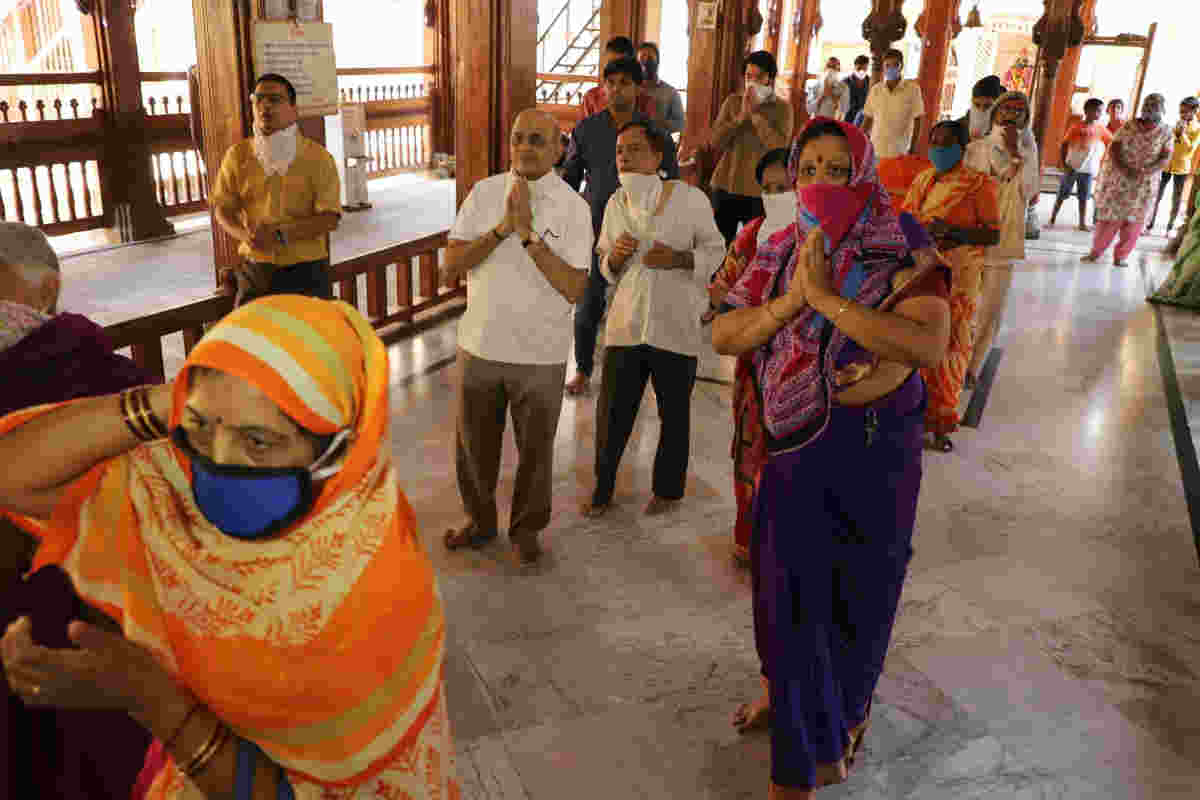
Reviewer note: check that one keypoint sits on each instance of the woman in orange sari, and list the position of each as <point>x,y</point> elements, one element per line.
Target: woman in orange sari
<point>749,450</point>
<point>957,205</point>
<point>283,634</point>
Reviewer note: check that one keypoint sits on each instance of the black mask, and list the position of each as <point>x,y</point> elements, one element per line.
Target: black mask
<point>650,66</point>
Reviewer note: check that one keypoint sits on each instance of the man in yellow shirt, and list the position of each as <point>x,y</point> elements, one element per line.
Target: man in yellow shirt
<point>1187,139</point>
<point>278,193</point>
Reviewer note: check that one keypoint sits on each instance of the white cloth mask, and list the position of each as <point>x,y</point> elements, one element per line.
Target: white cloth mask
<point>979,121</point>
<point>277,151</point>
<point>642,192</point>
<point>781,212</point>
<point>761,93</point>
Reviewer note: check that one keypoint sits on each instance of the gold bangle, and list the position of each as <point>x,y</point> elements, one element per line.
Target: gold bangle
<point>770,313</point>
<point>208,751</point>
<point>131,420</point>
<point>841,311</point>
<point>141,399</point>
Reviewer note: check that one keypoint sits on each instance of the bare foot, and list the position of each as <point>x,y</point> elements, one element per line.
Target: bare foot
<point>753,716</point>
<point>659,505</point>
<point>588,509</point>
<point>1085,228</point>
<point>578,385</point>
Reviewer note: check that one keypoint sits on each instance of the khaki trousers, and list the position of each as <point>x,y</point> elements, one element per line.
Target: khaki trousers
<point>487,390</point>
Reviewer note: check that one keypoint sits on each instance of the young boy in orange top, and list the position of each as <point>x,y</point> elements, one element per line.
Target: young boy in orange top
<point>1082,149</point>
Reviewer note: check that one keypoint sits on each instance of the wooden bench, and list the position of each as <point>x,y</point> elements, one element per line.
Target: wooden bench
<point>144,335</point>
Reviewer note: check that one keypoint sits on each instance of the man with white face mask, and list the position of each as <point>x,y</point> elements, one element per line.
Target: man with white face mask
<point>827,95</point>
<point>859,85</point>
<point>895,107</point>
<point>978,119</point>
<point>278,193</point>
<point>659,244</point>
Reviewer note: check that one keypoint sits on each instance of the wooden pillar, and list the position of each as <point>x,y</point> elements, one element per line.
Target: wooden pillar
<point>714,72</point>
<point>1063,93</point>
<point>495,78</point>
<point>773,23</point>
<point>439,51</point>
<point>803,29</point>
<point>937,26</point>
<point>133,207</point>
<point>224,70</point>
<point>1059,28</point>
<point>883,27</point>
<point>621,18</point>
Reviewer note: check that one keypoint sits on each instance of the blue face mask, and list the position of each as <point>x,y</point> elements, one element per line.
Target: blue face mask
<point>946,158</point>
<point>891,73</point>
<point>255,502</point>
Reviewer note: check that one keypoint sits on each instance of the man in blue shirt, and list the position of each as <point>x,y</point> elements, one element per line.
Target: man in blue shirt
<point>593,155</point>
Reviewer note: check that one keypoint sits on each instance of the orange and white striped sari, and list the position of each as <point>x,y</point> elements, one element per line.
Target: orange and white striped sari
<point>323,645</point>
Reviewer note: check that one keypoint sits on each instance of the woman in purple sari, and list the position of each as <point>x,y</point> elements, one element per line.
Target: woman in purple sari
<point>839,318</point>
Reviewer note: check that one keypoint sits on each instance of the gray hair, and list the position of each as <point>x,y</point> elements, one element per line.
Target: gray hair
<point>27,250</point>
<point>1010,95</point>
<point>1155,97</point>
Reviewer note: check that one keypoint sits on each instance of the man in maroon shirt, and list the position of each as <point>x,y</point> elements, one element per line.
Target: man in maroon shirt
<point>596,98</point>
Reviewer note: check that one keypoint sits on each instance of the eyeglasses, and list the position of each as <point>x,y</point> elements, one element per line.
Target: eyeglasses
<point>273,99</point>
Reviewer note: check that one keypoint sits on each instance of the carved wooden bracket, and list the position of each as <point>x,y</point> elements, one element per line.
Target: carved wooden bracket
<point>1054,34</point>
<point>884,25</point>
<point>430,14</point>
<point>754,22</point>
<point>84,6</point>
<point>774,12</point>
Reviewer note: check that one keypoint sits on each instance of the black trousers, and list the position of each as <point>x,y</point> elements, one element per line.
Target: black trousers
<point>626,370</point>
<point>1176,196</point>
<point>730,210</point>
<point>305,277</point>
<point>588,314</point>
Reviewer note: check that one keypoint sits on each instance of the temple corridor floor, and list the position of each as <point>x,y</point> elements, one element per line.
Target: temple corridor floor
<point>1048,642</point>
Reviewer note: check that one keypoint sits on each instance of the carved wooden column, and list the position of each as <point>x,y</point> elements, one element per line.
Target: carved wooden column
<point>883,27</point>
<point>805,24</point>
<point>125,168</point>
<point>495,78</point>
<point>937,26</point>
<point>223,108</point>
<point>443,60</point>
<point>773,23</point>
<point>1064,90</point>
<point>622,18</point>
<point>1059,28</point>
<point>714,72</point>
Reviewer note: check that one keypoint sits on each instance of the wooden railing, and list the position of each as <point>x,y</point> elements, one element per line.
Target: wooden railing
<point>398,294</point>
<point>400,105</point>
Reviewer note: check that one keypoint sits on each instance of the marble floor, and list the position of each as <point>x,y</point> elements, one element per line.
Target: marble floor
<point>1048,642</point>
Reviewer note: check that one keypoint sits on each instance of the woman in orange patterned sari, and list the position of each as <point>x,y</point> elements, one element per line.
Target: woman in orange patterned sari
<point>283,632</point>
<point>749,450</point>
<point>958,207</point>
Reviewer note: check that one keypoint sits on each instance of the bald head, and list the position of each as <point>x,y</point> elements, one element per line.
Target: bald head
<point>28,267</point>
<point>534,144</point>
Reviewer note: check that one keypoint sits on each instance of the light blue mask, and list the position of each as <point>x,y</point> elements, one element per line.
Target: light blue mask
<point>891,73</point>
<point>946,158</point>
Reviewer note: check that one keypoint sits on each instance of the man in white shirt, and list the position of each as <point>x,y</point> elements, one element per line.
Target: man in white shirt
<point>827,97</point>
<point>523,239</point>
<point>660,244</point>
<point>892,116</point>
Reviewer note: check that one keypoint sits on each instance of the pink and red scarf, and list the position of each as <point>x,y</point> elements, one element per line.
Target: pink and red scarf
<point>865,245</point>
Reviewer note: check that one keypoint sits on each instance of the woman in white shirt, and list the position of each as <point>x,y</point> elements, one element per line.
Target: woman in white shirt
<point>659,244</point>
<point>1009,154</point>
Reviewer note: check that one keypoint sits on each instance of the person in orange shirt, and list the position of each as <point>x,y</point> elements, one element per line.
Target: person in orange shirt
<point>1083,148</point>
<point>1116,115</point>
<point>596,98</point>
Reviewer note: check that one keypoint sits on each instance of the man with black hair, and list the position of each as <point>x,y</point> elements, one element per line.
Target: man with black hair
<point>595,99</point>
<point>593,155</point>
<point>895,106</point>
<point>750,123</point>
<point>668,106</point>
<point>859,83</point>
<point>1083,149</point>
<point>278,193</point>
<point>985,93</point>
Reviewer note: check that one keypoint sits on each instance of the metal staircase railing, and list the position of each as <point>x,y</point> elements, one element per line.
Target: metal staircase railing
<point>585,42</point>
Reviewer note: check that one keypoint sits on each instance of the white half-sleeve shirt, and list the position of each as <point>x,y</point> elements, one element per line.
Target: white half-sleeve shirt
<point>893,112</point>
<point>661,307</point>
<point>513,313</point>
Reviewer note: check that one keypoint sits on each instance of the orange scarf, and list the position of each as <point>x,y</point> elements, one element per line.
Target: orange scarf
<point>323,645</point>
